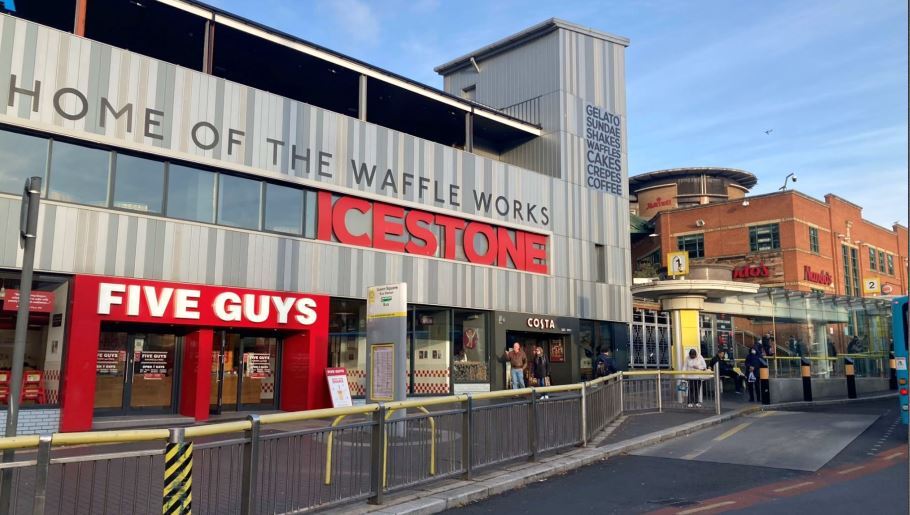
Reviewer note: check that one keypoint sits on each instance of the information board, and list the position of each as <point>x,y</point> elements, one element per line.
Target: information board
<point>110,362</point>
<point>339,389</point>
<point>382,377</point>
<point>151,364</point>
<point>258,365</point>
<point>387,301</point>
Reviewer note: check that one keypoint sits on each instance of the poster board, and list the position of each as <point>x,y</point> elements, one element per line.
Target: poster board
<point>339,389</point>
<point>382,366</point>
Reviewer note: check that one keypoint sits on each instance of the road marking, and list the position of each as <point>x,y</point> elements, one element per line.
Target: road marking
<point>693,455</point>
<point>895,455</point>
<point>849,470</point>
<point>732,432</point>
<point>706,508</point>
<point>766,413</point>
<point>793,487</point>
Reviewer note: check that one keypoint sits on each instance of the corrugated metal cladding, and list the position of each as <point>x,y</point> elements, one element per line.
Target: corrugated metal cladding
<point>89,240</point>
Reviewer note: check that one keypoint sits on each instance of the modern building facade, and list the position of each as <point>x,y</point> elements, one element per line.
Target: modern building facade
<point>218,196</point>
<point>666,190</point>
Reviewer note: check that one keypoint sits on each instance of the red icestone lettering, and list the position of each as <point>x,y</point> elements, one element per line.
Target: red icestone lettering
<point>470,243</point>
<point>417,223</point>
<point>339,224</point>
<point>383,227</point>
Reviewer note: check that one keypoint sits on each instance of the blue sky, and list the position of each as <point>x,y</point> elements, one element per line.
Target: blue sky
<point>705,79</point>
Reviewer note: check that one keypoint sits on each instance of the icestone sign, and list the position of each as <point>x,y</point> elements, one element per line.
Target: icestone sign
<point>203,305</point>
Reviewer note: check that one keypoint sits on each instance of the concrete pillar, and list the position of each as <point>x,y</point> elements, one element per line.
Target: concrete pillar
<point>684,311</point>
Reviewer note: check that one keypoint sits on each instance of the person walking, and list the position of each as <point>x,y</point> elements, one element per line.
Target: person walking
<point>540,369</point>
<point>695,362</point>
<point>603,365</point>
<point>753,363</point>
<point>519,361</point>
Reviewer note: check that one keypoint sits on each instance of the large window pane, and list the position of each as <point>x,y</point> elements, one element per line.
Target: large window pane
<point>190,194</point>
<point>238,202</point>
<point>139,184</point>
<point>283,209</point>
<point>432,350</point>
<point>21,157</point>
<point>348,341</point>
<point>79,174</point>
<point>471,347</point>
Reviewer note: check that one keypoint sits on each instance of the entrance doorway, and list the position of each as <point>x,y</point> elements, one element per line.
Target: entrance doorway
<point>244,372</point>
<point>553,347</point>
<point>136,372</point>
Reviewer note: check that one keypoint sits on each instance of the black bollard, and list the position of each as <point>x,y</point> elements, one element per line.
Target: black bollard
<point>764,382</point>
<point>850,372</point>
<point>892,382</point>
<point>806,371</point>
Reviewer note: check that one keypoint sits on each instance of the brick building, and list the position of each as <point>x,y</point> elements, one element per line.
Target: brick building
<point>785,239</point>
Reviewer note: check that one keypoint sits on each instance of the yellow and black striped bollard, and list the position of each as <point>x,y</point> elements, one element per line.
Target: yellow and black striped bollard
<point>806,372</point>
<point>850,372</point>
<point>178,475</point>
<point>764,381</point>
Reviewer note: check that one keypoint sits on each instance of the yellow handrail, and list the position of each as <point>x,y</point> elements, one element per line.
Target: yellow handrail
<point>636,373</point>
<point>328,450</point>
<point>385,444</point>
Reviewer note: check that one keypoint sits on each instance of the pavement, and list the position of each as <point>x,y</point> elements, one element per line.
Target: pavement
<point>607,477</point>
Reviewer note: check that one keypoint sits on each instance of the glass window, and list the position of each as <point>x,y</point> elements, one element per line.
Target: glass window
<point>79,174</point>
<point>694,244</point>
<point>309,219</point>
<point>890,264</point>
<point>854,267</point>
<point>348,341</point>
<point>813,240</point>
<point>716,185</point>
<point>471,347</point>
<point>881,261</point>
<point>432,350</point>
<point>600,263</point>
<point>44,341</point>
<point>689,185</point>
<point>21,157</point>
<point>238,201</point>
<point>190,193</point>
<point>283,209</point>
<point>848,286</point>
<point>872,264</point>
<point>138,184</point>
<point>764,237</point>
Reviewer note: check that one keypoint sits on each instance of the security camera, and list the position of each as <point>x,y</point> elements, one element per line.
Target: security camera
<point>794,178</point>
<point>699,223</point>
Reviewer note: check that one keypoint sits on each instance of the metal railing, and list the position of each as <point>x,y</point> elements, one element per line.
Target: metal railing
<point>865,364</point>
<point>290,462</point>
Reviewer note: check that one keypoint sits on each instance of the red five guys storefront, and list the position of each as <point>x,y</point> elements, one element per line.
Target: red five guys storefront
<point>209,226</point>
<point>152,347</point>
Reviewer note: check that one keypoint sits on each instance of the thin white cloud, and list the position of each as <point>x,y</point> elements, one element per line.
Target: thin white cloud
<point>357,19</point>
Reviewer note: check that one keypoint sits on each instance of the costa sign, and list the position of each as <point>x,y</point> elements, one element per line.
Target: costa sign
<point>412,231</point>
<point>817,277</point>
<point>156,302</point>
<point>751,271</point>
<point>541,323</point>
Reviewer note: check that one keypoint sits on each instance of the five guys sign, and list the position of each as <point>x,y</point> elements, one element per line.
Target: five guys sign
<point>418,232</point>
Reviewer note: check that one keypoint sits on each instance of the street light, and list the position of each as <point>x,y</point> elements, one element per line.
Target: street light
<point>789,176</point>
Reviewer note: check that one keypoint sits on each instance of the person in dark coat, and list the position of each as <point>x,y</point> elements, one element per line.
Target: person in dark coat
<point>540,368</point>
<point>725,369</point>
<point>753,363</point>
<point>603,365</point>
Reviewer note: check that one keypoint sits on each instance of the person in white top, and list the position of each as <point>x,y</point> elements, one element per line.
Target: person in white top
<point>694,362</point>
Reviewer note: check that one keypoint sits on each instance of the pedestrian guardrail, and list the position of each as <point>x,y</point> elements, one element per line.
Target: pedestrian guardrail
<point>311,460</point>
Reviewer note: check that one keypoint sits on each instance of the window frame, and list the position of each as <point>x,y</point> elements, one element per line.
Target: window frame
<point>814,246</point>
<point>881,261</point>
<point>754,230</point>
<point>697,238</point>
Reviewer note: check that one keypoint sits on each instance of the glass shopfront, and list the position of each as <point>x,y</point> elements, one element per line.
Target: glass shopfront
<point>446,347</point>
<point>44,340</point>
<point>244,371</point>
<point>137,370</point>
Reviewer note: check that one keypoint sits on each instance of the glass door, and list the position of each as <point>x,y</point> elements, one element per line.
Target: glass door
<point>244,372</point>
<point>136,372</point>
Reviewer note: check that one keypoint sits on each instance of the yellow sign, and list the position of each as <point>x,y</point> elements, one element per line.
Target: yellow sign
<point>677,263</point>
<point>872,285</point>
